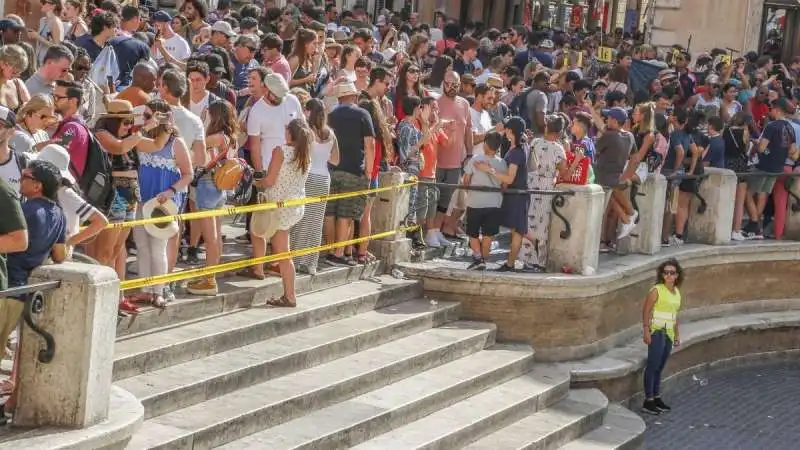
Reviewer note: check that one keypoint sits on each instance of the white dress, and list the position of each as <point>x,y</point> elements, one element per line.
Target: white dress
<point>291,184</point>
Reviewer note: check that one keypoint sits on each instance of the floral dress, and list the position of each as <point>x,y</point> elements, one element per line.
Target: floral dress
<point>543,164</point>
<point>291,184</point>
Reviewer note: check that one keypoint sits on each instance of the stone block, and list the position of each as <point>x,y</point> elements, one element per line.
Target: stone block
<point>792,229</point>
<point>714,225</point>
<point>72,390</point>
<point>584,213</point>
<point>391,207</point>
<point>646,238</point>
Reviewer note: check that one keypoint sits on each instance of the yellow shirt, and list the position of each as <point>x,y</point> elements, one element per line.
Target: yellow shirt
<point>665,310</point>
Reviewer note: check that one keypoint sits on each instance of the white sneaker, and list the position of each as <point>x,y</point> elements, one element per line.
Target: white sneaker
<point>443,241</point>
<point>675,241</point>
<point>737,236</point>
<point>431,240</point>
<point>627,228</point>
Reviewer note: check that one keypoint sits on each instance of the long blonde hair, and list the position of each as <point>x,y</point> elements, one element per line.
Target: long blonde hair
<point>37,103</point>
<point>648,122</point>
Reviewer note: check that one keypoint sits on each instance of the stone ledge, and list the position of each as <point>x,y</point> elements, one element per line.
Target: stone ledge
<point>618,372</point>
<point>611,275</point>
<point>125,417</point>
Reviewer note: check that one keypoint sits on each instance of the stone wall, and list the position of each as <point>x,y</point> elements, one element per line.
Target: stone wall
<point>675,20</point>
<point>568,317</point>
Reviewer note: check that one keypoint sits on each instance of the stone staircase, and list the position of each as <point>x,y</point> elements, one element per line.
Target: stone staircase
<point>364,361</point>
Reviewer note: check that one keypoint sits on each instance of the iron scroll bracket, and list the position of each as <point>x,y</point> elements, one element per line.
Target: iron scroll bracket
<point>34,304</point>
<point>559,201</point>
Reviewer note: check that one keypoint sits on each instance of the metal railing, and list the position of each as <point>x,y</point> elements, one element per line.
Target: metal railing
<point>34,297</point>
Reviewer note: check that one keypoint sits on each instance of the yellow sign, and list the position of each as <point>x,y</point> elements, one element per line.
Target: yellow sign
<point>605,54</point>
<point>675,55</point>
<point>726,58</point>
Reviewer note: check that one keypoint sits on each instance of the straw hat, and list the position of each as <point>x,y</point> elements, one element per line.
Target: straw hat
<point>264,224</point>
<point>341,37</point>
<point>118,109</point>
<point>346,89</point>
<point>153,209</point>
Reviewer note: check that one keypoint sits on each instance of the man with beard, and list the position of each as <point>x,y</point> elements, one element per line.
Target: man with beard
<point>454,112</point>
<point>195,12</point>
<point>266,129</point>
<point>67,98</point>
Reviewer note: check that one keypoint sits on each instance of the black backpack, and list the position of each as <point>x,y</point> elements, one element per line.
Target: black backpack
<point>519,107</point>
<point>95,184</point>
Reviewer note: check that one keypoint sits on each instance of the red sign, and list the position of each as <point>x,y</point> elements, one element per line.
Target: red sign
<point>576,18</point>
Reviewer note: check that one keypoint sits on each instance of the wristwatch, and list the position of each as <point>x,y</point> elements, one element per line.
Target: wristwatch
<point>258,175</point>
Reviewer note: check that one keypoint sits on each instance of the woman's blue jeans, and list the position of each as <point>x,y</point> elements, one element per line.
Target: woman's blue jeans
<point>657,354</point>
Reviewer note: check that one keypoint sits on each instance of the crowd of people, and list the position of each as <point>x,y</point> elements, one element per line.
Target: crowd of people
<point>112,113</point>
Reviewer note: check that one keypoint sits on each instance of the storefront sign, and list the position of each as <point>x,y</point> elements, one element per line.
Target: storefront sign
<point>576,18</point>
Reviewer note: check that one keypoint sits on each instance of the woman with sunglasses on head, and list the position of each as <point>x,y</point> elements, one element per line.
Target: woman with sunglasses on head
<point>661,331</point>
<point>33,119</point>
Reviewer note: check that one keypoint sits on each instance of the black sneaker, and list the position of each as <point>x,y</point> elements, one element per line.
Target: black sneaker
<point>191,256</point>
<point>337,261</point>
<point>477,264</point>
<point>649,407</point>
<point>506,268</point>
<point>661,405</point>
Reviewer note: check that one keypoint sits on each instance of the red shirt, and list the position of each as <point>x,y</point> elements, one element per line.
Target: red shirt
<point>78,148</point>
<point>760,111</point>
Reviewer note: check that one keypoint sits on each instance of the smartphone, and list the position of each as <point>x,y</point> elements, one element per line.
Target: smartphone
<point>65,140</point>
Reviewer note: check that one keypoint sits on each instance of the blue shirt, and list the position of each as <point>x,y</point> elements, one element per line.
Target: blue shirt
<point>781,136</point>
<point>523,58</point>
<point>46,228</point>
<point>129,52</point>
<point>676,138</point>
<point>240,73</point>
<point>715,156</point>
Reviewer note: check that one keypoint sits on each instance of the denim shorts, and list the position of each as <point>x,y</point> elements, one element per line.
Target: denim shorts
<point>207,196</point>
<point>126,198</point>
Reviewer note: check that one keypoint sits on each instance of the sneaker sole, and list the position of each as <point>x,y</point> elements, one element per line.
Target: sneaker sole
<point>649,412</point>
<point>203,291</point>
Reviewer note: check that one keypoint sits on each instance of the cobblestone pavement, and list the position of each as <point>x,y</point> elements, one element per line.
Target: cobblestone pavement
<point>756,408</point>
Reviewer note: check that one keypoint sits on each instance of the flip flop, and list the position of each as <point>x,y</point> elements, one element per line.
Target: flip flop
<point>282,302</point>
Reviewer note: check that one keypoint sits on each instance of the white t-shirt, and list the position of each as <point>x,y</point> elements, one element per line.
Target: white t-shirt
<point>175,46</point>
<point>9,171</point>
<point>269,123</point>
<point>189,126</point>
<point>481,123</point>
<point>200,109</point>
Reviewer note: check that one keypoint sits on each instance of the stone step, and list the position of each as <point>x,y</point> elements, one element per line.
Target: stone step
<point>621,430</point>
<point>232,416</point>
<point>179,386</point>
<point>237,292</point>
<point>479,415</point>
<point>150,351</point>
<point>368,415</point>
<point>580,412</point>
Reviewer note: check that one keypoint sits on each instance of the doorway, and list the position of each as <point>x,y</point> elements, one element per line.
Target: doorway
<point>780,35</point>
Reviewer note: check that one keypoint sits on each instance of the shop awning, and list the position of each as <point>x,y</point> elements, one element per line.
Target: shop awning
<point>790,4</point>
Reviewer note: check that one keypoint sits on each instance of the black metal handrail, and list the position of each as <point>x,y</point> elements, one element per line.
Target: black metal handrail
<point>34,304</point>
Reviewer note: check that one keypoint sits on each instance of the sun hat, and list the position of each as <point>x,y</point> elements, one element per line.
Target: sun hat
<point>277,85</point>
<point>153,209</point>
<point>118,109</point>
<point>264,224</point>
<point>59,157</point>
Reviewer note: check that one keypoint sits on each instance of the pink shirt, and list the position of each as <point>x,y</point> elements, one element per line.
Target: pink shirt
<point>454,151</point>
<point>79,146</point>
<point>280,65</point>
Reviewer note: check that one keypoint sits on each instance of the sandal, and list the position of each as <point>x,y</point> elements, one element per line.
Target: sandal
<point>366,258</point>
<point>282,302</point>
<point>158,301</point>
<point>272,270</point>
<point>125,306</point>
<point>250,273</point>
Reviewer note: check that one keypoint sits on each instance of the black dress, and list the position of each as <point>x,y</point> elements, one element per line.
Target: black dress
<point>515,206</point>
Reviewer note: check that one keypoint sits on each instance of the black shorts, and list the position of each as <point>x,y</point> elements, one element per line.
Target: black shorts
<point>483,221</point>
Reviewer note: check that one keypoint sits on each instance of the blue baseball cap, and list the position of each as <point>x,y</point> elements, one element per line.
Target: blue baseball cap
<point>8,24</point>
<point>161,16</point>
<point>616,113</point>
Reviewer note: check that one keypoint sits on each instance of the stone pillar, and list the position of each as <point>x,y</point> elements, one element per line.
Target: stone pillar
<point>651,200</point>
<point>389,212</point>
<point>792,229</point>
<point>714,225</point>
<point>74,389</point>
<point>584,212</point>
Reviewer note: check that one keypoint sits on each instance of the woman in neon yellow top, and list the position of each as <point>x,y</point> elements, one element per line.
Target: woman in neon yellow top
<point>661,331</point>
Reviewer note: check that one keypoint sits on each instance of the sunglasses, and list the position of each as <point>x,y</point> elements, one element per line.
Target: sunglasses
<point>669,273</point>
<point>82,69</point>
<point>59,97</point>
<point>147,116</point>
<point>127,123</point>
<point>413,70</point>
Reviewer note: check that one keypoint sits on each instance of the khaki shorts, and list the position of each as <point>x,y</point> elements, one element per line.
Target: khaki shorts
<point>348,208</point>
<point>10,311</point>
<point>761,184</point>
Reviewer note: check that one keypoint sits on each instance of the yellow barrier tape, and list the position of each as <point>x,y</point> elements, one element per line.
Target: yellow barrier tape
<point>241,264</point>
<point>231,210</point>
